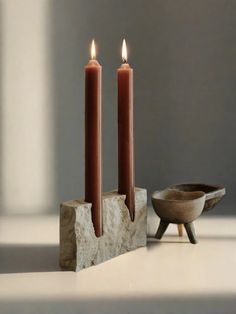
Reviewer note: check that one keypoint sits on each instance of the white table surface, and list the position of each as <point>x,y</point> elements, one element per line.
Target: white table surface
<point>167,276</point>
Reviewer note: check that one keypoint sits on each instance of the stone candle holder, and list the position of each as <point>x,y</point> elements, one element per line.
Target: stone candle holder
<point>80,248</point>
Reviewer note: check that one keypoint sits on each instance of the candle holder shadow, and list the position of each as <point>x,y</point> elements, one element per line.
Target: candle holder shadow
<point>178,207</point>
<point>80,248</point>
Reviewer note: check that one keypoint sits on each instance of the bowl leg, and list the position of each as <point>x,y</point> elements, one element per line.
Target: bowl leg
<point>161,229</point>
<point>180,230</point>
<point>189,227</point>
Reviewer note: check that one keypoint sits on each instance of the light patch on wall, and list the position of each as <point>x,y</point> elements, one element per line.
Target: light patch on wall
<point>27,180</point>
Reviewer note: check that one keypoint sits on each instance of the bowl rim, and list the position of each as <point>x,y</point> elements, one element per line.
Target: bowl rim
<point>220,190</point>
<point>201,194</point>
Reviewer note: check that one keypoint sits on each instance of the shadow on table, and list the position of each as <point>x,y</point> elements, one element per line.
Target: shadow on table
<point>211,304</point>
<point>28,258</point>
<point>152,242</point>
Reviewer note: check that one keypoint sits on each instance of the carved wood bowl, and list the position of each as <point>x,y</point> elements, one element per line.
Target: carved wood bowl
<point>214,193</point>
<point>178,207</point>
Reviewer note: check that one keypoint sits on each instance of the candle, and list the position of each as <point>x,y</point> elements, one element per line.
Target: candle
<point>93,151</point>
<point>125,133</point>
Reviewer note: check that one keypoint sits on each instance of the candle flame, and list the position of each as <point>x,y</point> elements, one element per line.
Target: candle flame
<point>124,51</point>
<point>93,50</point>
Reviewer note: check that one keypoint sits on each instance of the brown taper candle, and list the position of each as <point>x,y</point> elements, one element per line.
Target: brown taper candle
<point>93,150</point>
<point>125,133</point>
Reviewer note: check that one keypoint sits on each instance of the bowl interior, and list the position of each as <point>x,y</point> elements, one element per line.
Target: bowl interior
<point>176,195</point>
<point>190,187</point>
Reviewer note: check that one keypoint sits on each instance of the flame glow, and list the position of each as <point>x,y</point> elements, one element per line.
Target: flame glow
<point>124,51</point>
<point>93,50</point>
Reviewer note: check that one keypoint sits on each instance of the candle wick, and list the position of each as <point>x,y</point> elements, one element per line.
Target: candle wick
<point>124,60</point>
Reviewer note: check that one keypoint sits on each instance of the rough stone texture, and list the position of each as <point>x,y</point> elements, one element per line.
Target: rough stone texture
<point>80,248</point>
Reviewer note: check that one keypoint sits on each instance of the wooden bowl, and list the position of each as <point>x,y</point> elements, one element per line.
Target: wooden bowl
<point>214,193</point>
<point>178,207</point>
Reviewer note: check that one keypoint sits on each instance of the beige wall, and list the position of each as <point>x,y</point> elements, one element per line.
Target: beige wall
<point>26,108</point>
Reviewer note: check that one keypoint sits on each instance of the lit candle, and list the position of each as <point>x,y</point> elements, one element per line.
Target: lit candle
<point>93,151</point>
<point>125,133</point>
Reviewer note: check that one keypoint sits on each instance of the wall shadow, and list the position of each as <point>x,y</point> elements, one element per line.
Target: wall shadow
<point>67,63</point>
<point>184,97</point>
